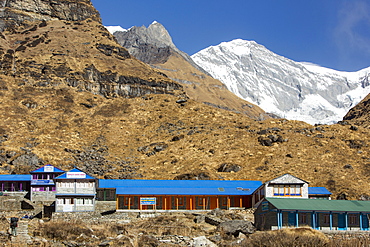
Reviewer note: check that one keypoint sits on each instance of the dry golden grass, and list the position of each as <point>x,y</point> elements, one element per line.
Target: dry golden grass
<point>305,237</point>
<point>198,138</point>
<point>203,88</point>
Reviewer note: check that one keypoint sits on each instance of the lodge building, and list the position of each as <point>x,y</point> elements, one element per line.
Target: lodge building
<point>181,194</point>
<point>286,201</point>
<point>277,213</point>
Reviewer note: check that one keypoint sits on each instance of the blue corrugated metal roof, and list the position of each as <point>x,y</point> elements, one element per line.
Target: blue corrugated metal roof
<point>318,191</point>
<point>180,187</point>
<point>15,177</point>
<point>64,175</point>
<point>42,169</point>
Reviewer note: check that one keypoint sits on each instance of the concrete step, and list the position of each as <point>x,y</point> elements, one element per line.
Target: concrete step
<point>22,233</point>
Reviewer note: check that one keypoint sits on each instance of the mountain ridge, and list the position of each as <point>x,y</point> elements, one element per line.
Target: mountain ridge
<point>154,45</point>
<point>279,85</point>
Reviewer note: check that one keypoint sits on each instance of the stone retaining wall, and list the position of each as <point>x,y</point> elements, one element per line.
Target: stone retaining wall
<point>105,206</point>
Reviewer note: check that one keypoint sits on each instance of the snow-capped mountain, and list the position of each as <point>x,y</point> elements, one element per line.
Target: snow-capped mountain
<point>153,45</point>
<point>289,89</point>
<point>113,29</point>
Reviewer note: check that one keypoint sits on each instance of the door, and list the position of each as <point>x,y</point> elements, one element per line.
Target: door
<point>291,219</point>
<point>365,222</point>
<point>342,222</point>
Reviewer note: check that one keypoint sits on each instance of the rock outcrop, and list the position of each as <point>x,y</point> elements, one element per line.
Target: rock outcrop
<point>153,45</point>
<point>48,43</point>
<point>360,114</point>
<point>15,13</point>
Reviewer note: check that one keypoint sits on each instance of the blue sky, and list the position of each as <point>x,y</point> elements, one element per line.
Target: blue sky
<point>331,33</point>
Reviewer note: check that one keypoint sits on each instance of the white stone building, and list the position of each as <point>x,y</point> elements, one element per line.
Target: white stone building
<point>75,192</point>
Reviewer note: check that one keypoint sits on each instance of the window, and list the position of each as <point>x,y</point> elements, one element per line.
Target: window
<point>88,201</point>
<point>276,190</point>
<point>287,190</point>
<point>202,201</point>
<point>224,201</point>
<point>303,218</point>
<point>326,219</point>
<point>180,201</point>
<point>353,219</point>
<point>79,184</point>
<point>79,201</point>
<point>128,200</point>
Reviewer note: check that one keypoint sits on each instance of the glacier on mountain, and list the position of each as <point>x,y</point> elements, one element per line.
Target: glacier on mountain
<point>289,89</point>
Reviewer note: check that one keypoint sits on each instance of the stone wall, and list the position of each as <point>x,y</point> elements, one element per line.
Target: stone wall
<point>10,203</point>
<point>104,206</point>
<point>43,196</point>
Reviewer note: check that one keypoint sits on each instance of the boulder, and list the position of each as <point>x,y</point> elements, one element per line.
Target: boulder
<point>229,168</point>
<point>202,241</point>
<point>234,227</point>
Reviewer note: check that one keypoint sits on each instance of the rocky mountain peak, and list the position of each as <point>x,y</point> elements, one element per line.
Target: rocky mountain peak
<point>159,33</point>
<point>142,41</point>
<point>14,13</point>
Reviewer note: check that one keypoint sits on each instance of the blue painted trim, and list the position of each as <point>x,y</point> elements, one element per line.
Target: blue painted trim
<point>346,220</point>
<point>281,219</point>
<point>296,219</point>
<point>361,222</point>
<point>331,220</point>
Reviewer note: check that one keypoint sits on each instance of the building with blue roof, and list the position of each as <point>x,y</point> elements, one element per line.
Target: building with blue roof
<point>75,192</point>
<point>15,184</point>
<point>319,193</point>
<point>288,186</point>
<point>181,194</point>
<point>42,183</point>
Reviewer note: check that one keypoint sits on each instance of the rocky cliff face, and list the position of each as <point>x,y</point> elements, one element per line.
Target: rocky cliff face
<point>15,13</point>
<point>48,43</point>
<point>153,45</point>
<point>360,114</point>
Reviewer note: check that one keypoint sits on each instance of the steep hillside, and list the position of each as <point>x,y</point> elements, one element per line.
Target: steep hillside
<point>48,44</point>
<point>160,137</point>
<point>296,91</point>
<point>360,114</point>
<point>153,45</point>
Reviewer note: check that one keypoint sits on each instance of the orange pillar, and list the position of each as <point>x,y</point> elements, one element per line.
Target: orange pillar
<point>241,202</point>
<point>218,203</point>
<point>129,203</point>
<point>204,203</point>
<point>228,202</point>
<point>191,203</point>
<point>165,203</point>
<point>177,203</point>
